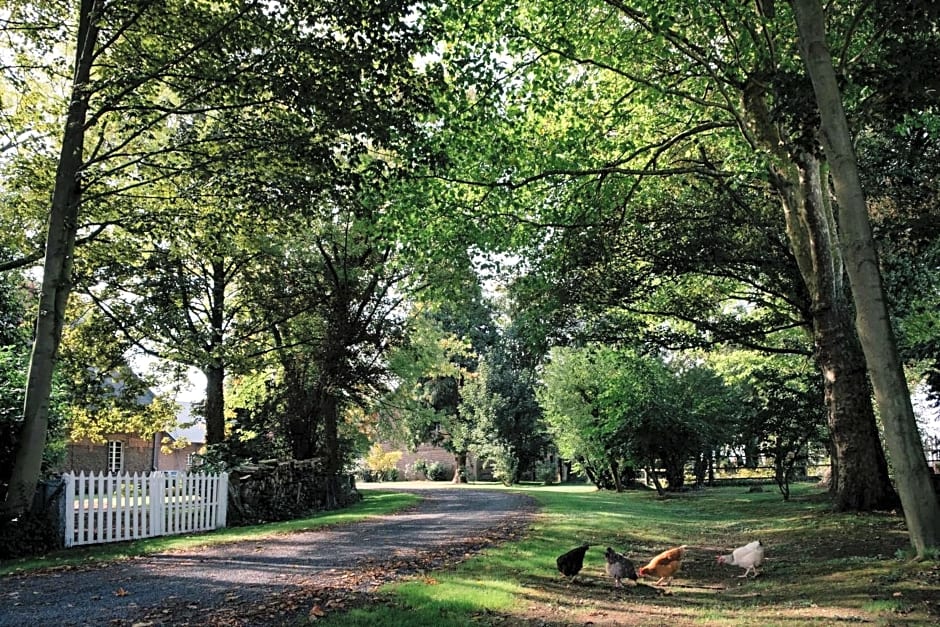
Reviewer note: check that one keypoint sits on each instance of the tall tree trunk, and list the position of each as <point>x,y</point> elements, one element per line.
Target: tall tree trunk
<point>461,462</point>
<point>615,471</point>
<point>860,478</point>
<point>215,371</point>
<point>215,404</point>
<point>921,507</point>
<point>329,415</point>
<point>57,272</point>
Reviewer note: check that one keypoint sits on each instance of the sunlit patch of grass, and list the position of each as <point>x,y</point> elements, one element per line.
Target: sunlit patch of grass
<point>374,503</point>
<point>882,606</point>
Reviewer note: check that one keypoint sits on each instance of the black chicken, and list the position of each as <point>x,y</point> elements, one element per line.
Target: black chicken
<point>618,566</point>
<point>570,563</point>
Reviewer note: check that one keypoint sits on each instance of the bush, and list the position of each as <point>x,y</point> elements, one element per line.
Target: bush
<point>546,472</point>
<point>419,469</point>
<point>29,535</point>
<point>435,471</point>
<point>383,463</point>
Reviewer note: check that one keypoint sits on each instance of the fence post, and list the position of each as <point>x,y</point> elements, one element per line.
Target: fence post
<point>222,500</point>
<point>67,508</point>
<point>157,497</point>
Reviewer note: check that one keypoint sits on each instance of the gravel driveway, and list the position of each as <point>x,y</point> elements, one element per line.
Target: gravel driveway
<point>261,582</point>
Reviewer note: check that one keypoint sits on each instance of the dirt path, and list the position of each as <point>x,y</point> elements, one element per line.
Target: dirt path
<point>268,582</point>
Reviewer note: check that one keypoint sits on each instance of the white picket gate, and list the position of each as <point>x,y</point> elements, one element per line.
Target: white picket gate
<point>116,507</point>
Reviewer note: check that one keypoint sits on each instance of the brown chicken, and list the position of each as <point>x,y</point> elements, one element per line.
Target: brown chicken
<point>664,565</point>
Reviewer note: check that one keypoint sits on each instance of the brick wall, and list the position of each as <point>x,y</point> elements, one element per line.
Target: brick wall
<point>87,456</point>
<point>426,452</point>
<point>178,458</point>
<point>430,453</point>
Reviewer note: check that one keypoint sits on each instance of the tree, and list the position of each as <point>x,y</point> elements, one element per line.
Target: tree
<point>499,399</point>
<point>155,68</point>
<point>176,290</point>
<point>781,408</point>
<point>679,97</point>
<point>574,384</point>
<point>60,246</point>
<point>433,367</point>
<point>332,309</point>
<point>921,507</point>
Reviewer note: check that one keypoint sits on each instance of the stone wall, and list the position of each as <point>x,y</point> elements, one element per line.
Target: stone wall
<point>274,490</point>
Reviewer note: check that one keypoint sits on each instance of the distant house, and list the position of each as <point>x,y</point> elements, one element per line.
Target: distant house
<point>128,452</point>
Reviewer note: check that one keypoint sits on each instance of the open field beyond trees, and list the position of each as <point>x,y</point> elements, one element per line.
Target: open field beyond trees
<point>821,567</point>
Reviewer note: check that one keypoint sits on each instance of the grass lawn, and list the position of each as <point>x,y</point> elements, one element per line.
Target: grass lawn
<point>374,503</point>
<point>821,568</point>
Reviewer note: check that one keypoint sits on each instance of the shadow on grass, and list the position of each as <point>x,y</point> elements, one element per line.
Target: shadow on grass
<point>821,567</point>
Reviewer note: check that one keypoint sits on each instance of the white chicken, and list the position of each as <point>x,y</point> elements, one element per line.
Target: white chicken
<point>748,557</point>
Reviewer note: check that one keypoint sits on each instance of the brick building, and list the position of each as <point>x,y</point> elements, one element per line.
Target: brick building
<point>128,452</point>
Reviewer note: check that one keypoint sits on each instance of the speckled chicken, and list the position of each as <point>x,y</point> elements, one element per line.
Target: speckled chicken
<point>570,563</point>
<point>619,566</point>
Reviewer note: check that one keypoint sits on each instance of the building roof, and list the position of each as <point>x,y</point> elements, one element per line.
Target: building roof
<point>190,427</point>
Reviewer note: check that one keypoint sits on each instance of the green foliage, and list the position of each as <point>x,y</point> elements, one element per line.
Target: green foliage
<point>432,366</point>
<point>546,472</point>
<point>382,463</point>
<point>12,392</point>
<point>585,427</point>
<point>613,409</point>
<point>782,409</point>
<point>507,433</point>
<point>14,358</point>
<point>436,471</point>
<point>432,471</point>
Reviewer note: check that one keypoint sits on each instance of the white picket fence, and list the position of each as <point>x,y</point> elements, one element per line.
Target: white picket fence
<point>116,507</point>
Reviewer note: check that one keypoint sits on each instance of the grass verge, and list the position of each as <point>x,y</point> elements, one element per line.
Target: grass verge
<point>374,503</point>
<point>822,568</point>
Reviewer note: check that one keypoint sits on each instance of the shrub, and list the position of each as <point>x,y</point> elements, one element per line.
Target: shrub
<point>546,472</point>
<point>382,463</point>
<point>29,535</point>
<point>435,471</point>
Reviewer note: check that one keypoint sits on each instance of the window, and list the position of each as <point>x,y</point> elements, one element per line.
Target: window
<point>115,456</point>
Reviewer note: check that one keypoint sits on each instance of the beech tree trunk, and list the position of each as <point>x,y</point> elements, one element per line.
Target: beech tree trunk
<point>860,479</point>
<point>57,273</point>
<point>918,498</point>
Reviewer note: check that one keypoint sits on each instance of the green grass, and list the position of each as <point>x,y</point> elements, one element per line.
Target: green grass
<point>374,503</point>
<point>822,568</point>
